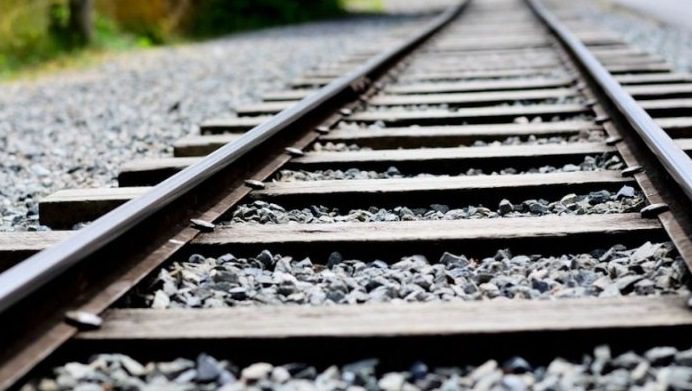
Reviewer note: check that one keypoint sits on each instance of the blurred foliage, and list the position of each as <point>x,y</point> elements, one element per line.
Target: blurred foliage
<point>23,27</point>
<point>214,17</point>
<point>156,21</point>
<point>35,31</point>
<point>368,6</point>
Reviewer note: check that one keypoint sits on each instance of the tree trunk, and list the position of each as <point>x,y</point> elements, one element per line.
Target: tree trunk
<point>80,21</point>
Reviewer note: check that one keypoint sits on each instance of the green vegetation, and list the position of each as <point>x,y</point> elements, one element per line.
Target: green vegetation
<point>364,5</point>
<point>215,17</point>
<point>36,35</point>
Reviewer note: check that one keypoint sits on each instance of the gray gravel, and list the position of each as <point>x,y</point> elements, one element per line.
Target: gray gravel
<point>590,163</point>
<point>651,269</point>
<point>586,136</point>
<point>670,42</point>
<point>488,60</point>
<point>454,108</point>
<point>76,129</point>
<point>336,147</point>
<point>598,202</point>
<point>659,368</point>
<point>591,135</point>
<point>453,76</point>
<point>379,125</point>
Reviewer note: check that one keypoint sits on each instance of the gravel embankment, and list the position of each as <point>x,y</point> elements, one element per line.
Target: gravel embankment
<point>659,368</point>
<point>590,163</point>
<point>226,281</point>
<point>76,129</point>
<point>669,41</point>
<point>665,11</point>
<point>597,202</point>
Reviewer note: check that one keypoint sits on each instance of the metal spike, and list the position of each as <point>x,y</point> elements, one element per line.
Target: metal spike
<point>653,210</point>
<point>202,225</point>
<point>254,184</point>
<point>600,120</point>
<point>613,140</point>
<point>359,85</point>
<point>630,171</point>
<point>83,319</point>
<point>591,103</point>
<point>295,152</point>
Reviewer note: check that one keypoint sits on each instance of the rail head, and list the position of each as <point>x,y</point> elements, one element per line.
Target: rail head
<point>35,272</point>
<point>673,159</point>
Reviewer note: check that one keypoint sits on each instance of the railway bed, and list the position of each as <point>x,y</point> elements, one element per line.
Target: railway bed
<point>456,210</point>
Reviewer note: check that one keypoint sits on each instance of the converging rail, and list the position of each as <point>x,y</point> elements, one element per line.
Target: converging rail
<point>494,130</point>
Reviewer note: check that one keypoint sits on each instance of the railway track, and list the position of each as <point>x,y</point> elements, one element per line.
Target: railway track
<point>506,181</point>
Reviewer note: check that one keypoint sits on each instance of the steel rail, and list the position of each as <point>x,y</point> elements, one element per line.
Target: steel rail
<point>35,272</point>
<point>674,160</point>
